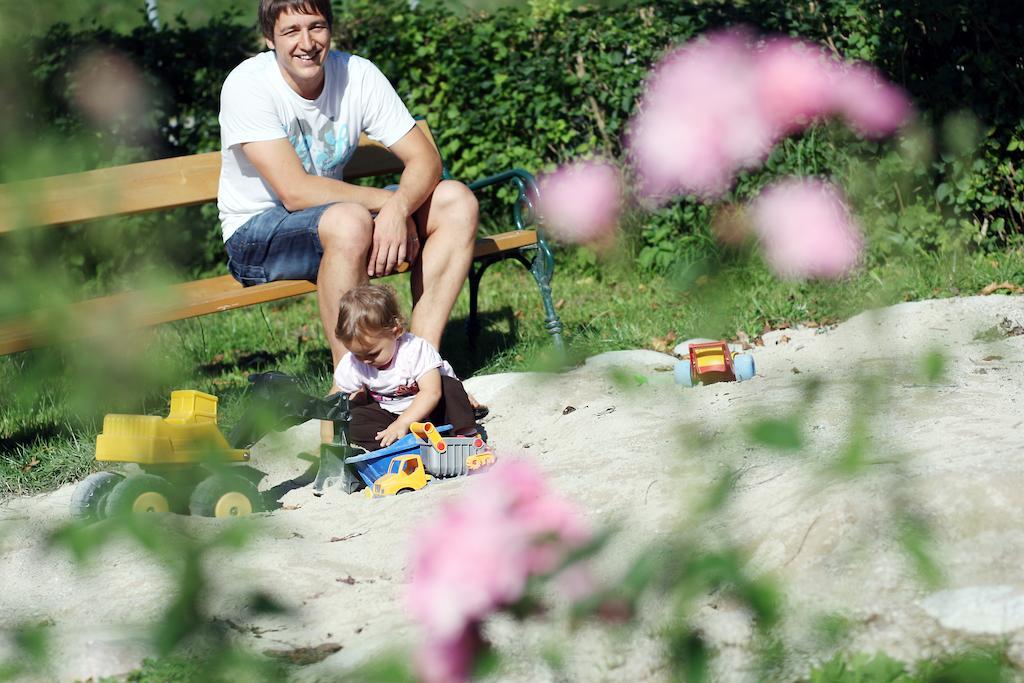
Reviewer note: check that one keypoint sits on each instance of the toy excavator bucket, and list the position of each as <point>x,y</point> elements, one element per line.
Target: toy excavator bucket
<point>428,432</point>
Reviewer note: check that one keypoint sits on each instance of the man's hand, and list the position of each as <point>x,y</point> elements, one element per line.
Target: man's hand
<point>393,433</point>
<point>390,235</point>
<point>394,233</point>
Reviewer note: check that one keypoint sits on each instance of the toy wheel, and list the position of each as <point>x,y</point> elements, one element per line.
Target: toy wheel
<point>225,495</point>
<point>90,495</point>
<point>743,366</point>
<point>683,373</point>
<point>140,493</point>
<point>403,491</point>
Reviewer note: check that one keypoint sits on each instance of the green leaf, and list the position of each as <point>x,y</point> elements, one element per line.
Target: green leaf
<point>783,434</point>
<point>933,365</point>
<point>33,640</point>
<point>916,538</point>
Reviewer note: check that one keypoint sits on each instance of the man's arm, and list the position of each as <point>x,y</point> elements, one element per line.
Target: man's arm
<point>394,233</point>
<point>279,166</point>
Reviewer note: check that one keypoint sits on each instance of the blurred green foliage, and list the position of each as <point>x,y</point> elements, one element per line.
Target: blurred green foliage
<point>185,620</point>
<point>981,666</point>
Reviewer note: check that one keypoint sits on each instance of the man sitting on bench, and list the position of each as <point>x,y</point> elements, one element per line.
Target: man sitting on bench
<point>290,118</point>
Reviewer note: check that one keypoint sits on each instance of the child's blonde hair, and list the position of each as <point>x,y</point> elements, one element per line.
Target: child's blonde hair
<point>368,311</point>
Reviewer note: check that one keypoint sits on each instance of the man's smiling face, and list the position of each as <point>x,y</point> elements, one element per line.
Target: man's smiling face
<point>301,43</point>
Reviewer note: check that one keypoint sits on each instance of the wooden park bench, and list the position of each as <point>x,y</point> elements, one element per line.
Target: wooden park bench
<point>189,180</point>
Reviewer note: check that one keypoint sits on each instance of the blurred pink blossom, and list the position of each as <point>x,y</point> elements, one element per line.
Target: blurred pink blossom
<point>805,229</point>
<point>718,105</point>
<point>699,121</point>
<point>580,202</point>
<point>796,84</point>
<point>108,87</point>
<point>873,106</point>
<point>476,556</point>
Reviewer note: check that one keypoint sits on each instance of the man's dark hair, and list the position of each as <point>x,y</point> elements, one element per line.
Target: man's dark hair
<point>270,10</point>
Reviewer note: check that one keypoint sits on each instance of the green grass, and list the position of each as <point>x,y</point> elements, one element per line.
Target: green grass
<point>55,398</point>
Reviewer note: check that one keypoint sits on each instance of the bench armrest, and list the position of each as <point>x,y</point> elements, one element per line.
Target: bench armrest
<point>524,209</point>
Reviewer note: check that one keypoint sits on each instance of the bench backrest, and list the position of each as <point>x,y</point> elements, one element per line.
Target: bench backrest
<point>147,186</point>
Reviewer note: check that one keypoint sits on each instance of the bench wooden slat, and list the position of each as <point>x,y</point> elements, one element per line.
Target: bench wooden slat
<point>147,186</point>
<point>192,299</point>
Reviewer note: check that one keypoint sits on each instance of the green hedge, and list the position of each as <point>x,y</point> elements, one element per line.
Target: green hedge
<point>544,82</point>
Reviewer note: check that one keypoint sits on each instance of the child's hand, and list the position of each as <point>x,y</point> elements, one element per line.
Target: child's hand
<point>393,433</point>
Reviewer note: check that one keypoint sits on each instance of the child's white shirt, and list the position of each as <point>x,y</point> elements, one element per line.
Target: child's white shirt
<point>395,386</point>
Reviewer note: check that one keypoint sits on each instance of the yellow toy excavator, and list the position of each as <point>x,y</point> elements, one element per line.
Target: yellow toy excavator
<point>187,465</point>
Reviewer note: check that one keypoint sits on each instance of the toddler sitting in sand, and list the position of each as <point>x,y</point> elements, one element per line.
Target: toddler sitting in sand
<point>404,376</point>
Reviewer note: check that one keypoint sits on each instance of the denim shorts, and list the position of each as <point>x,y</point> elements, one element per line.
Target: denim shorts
<point>277,245</point>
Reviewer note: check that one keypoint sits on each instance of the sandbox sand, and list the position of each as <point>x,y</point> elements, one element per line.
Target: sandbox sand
<point>636,450</point>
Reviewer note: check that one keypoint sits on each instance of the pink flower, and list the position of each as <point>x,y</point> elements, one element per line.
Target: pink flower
<point>805,229</point>
<point>580,203</point>
<point>873,106</point>
<point>717,106</point>
<point>796,84</point>
<point>477,555</point>
<point>698,121</point>
<point>108,87</point>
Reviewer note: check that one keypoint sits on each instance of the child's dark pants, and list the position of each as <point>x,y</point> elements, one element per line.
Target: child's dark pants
<point>453,409</point>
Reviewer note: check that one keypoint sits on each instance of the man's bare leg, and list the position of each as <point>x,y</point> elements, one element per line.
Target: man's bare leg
<point>447,224</point>
<point>346,232</point>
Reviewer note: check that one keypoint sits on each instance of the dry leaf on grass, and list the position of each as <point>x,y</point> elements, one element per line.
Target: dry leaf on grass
<point>664,344</point>
<point>997,286</point>
<point>30,464</point>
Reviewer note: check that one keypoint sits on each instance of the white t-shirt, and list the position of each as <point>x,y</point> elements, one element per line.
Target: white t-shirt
<point>256,104</point>
<point>395,386</point>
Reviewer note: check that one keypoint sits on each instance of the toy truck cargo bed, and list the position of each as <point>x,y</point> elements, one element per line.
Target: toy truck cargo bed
<point>462,455</point>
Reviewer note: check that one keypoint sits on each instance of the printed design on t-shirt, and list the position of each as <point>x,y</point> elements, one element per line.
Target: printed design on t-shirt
<point>399,393</point>
<point>324,153</point>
